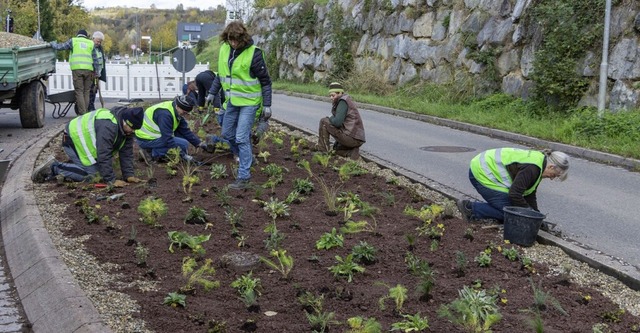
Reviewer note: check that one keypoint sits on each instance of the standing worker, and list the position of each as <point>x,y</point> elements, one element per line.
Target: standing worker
<point>246,85</point>
<point>98,37</point>
<point>510,177</point>
<point>84,66</point>
<point>90,141</point>
<point>345,125</point>
<point>164,128</point>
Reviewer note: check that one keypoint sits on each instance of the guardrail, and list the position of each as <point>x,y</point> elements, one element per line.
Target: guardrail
<point>130,80</point>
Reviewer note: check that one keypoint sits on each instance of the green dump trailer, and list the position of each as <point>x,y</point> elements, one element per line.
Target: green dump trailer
<point>23,74</point>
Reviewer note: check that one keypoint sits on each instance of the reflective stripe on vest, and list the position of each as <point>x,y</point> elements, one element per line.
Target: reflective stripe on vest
<point>239,87</point>
<point>81,57</point>
<point>82,131</point>
<point>490,167</point>
<point>150,130</point>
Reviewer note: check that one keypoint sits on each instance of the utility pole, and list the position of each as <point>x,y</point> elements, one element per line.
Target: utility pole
<point>602,91</point>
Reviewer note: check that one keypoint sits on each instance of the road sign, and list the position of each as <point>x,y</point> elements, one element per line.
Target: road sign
<point>133,46</point>
<point>183,60</point>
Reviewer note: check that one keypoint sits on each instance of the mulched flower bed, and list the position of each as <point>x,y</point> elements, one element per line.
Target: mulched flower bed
<point>394,234</point>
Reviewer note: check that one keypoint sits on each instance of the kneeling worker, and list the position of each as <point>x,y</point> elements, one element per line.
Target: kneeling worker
<point>164,128</point>
<point>345,125</point>
<point>90,141</point>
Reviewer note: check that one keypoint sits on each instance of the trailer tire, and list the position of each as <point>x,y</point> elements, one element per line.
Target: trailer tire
<point>32,107</point>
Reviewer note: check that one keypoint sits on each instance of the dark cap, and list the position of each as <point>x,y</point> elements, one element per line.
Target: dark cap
<point>183,103</point>
<point>82,33</point>
<point>132,117</point>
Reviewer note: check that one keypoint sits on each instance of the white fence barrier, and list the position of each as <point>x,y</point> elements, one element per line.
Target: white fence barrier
<point>159,81</point>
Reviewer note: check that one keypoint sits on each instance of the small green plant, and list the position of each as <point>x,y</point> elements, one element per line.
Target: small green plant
<point>274,238</point>
<point>426,213</point>
<point>483,259</point>
<point>152,209</point>
<point>613,316</point>
<point>468,234</point>
<point>349,169</point>
<point>322,159</point>
<point>364,253</point>
<point>432,231</point>
<point>234,216</point>
<point>346,267</point>
<point>276,208</point>
<point>434,245</point>
<point>330,240</point>
<point>398,294</point>
<point>181,239</point>
<point>461,263</point>
<point>142,254</point>
<point>175,299</point>
<point>189,177</point>
<point>411,323</point>
<point>363,325</point>
<point>223,197</point>
<point>310,302</point>
<point>541,298</point>
<point>248,287</point>
<point>320,321</point>
<point>329,193</point>
<point>264,155</point>
<point>294,197</point>
<point>473,310</point>
<point>511,253</point>
<point>303,186</point>
<point>196,215</point>
<point>284,264</point>
<point>353,227</point>
<point>202,276</point>
<point>273,170</point>
<point>218,171</point>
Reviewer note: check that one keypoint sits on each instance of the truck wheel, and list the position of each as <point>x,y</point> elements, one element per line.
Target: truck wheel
<point>32,105</point>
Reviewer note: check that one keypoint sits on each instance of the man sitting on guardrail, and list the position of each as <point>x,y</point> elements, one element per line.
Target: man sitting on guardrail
<point>90,141</point>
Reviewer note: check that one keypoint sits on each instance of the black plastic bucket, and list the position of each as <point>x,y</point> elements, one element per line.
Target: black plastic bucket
<point>521,225</point>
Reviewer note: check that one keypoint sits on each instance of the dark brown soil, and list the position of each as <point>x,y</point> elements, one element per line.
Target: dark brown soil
<point>508,281</point>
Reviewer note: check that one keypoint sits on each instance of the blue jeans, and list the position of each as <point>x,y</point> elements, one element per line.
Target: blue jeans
<point>496,200</point>
<point>74,170</point>
<point>236,128</point>
<point>159,149</point>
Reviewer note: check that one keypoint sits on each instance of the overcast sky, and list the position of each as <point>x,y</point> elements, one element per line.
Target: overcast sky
<point>161,4</point>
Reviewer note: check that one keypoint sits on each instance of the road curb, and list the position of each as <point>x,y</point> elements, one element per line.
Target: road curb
<point>51,298</point>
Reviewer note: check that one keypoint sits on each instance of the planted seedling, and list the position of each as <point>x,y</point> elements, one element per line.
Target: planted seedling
<point>541,298</point>
<point>483,259</point>
<point>264,155</point>
<point>461,263</point>
<point>248,288</point>
<point>330,240</point>
<point>218,171</point>
<point>473,310</point>
<point>189,178</point>
<point>511,253</point>
<point>398,294</point>
<point>320,321</point>
<point>284,264</point>
<point>275,208</point>
<point>303,186</point>
<point>364,253</point>
<point>294,197</point>
<point>349,169</point>
<point>275,237</point>
<point>363,325</point>
<point>142,254</point>
<point>175,300</point>
<point>468,234</point>
<point>152,209</point>
<point>196,215</point>
<point>310,302</point>
<point>182,239</point>
<point>242,240</point>
<point>411,323</point>
<point>202,276</point>
<point>346,267</point>
<point>321,158</point>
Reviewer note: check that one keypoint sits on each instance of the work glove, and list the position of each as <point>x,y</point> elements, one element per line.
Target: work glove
<point>261,129</point>
<point>209,100</point>
<point>133,179</point>
<point>207,147</point>
<point>119,183</point>
<point>266,113</point>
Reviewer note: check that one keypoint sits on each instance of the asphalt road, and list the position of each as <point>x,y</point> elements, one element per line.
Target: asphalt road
<point>597,206</point>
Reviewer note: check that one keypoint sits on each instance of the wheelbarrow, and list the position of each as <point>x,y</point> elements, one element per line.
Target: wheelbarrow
<point>58,99</point>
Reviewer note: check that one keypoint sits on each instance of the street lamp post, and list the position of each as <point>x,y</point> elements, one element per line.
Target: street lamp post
<point>602,91</point>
